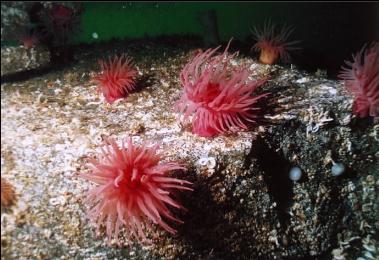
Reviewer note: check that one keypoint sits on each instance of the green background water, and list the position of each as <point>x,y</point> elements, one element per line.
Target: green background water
<point>136,20</point>
<point>329,32</point>
<point>320,22</point>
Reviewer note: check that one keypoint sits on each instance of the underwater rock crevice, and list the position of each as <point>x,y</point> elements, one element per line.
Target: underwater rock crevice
<point>209,218</point>
<point>275,168</point>
<point>26,74</point>
<point>144,82</point>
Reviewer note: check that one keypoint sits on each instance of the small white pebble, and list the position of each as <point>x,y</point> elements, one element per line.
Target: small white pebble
<point>75,121</point>
<point>58,201</point>
<point>57,91</point>
<point>338,169</point>
<point>210,162</point>
<point>302,80</point>
<point>253,66</point>
<point>295,173</point>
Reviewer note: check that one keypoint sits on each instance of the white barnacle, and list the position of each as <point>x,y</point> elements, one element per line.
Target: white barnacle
<point>295,173</point>
<point>338,169</point>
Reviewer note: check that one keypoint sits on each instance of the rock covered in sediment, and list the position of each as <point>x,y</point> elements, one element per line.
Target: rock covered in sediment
<point>18,59</point>
<point>244,204</point>
<point>13,14</point>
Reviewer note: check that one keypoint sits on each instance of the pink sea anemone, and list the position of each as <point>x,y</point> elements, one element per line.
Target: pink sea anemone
<point>29,40</point>
<point>273,44</point>
<point>60,23</point>
<point>117,78</point>
<point>220,97</point>
<point>61,13</point>
<point>362,79</point>
<point>133,190</point>
<point>27,37</point>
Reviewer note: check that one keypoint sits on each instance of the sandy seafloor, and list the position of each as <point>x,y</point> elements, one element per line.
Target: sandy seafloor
<point>240,207</point>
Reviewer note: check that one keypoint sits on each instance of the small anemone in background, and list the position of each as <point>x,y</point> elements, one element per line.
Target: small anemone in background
<point>219,96</point>
<point>117,78</point>
<point>26,35</point>
<point>133,190</point>
<point>273,44</point>
<point>29,38</point>
<point>60,23</point>
<point>29,41</point>
<point>8,194</point>
<point>361,78</point>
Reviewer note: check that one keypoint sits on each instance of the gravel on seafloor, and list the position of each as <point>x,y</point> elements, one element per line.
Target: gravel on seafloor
<point>244,204</point>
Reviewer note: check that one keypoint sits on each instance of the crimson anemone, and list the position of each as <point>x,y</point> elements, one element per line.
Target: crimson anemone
<point>133,190</point>
<point>117,78</point>
<point>362,79</point>
<point>60,23</point>
<point>29,42</point>
<point>219,97</point>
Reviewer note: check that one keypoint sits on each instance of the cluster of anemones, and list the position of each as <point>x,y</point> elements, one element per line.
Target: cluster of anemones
<point>219,98</point>
<point>134,190</point>
<point>362,79</point>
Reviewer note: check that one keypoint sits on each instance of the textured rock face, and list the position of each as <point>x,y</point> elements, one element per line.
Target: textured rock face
<point>13,15</point>
<point>244,205</point>
<point>18,59</point>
